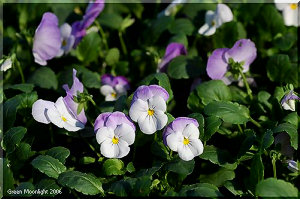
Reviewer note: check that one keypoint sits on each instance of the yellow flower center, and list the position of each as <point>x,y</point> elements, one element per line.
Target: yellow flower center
<point>63,118</point>
<point>186,141</point>
<point>293,6</point>
<point>114,95</point>
<point>151,112</point>
<point>64,43</point>
<point>115,140</point>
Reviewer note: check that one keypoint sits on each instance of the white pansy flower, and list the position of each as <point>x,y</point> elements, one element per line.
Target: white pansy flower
<point>214,20</point>
<point>288,101</point>
<point>290,11</point>
<point>7,64</point>
<point>67,39</point>
<point>113,87</point>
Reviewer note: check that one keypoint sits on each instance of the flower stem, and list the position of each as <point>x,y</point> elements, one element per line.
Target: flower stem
<point>92,147</point>
<point>240,128</point>
<point>249,91</point>
<point>255,123</point>
<point>102,35</point>
<point>124,49</point>
<point>274,167</point>
<point>20,71</point>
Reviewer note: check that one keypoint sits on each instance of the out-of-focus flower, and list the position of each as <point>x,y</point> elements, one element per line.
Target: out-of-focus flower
<point>57,113</point>
<point>214,20</point>
<point>67,40</point>
<point>91,13</point>
<point>113,87</point>
<point>7,64</point>
<point>148,108</point>
<point>288,101</point>
<point>172,8</point>
<point>182,136</point>
<point>290,12</point>
<point>236,60</point>
<point>292,166</point>
<point>285,144</point>
<point>76,88</point>
<point>114,132</point>
<point>47,39</point>
<point>173,50</point>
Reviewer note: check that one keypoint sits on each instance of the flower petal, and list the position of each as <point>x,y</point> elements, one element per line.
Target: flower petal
<point>184,152</point>
<point>223,14</point>
<point>138,110</point>
<point>161,119</point>
<point>157,103</point>
<point>126,133</point>
<point>173,140</point>
<point>158,90</point>
<point>191,131</point>
<point>65,30</point>
<point>216,64</point>
<point>290,16</point>
<point>117,118</point>
<point>39,110</point>
<point>180,123</point>
<point>103,134</point>
<point>123,149</point>
<point>109,150</point>
<point>107,90</point>
<point>101,120</point>
<point>196,146</point>
<point>207,30</point>
<point>148,124</point>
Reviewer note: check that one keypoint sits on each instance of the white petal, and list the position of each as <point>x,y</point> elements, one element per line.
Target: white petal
<point>209,17</point>
<point>139,109</point>
<point>173,140</point>
<point>103,134</point>
<point>108,149</point>
<point>191,132</point>
<point>147,125</point>
<point>65,30</point>
<point>70,127</point>
<point>157,103</point>
<point>55,117</point>
<point>110,98</point>
<point>123,149</point>
<point>184,152</point>
<point>161,119</point>
<point>39,110</point>
<point>223,14</point>
<point>7,64</point>
<point>207,30</point>
<point>196,146</point>
<point>126,133</point>
<point>290,16</point>
<point>280,6</point>
<point>289,105</point>
<point>106,90</point>
<point>121,90</point>
<point>39,60</point>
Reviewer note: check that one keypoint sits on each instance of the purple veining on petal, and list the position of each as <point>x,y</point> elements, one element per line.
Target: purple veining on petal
<point>118,118</point>
<point>289,96</point>
<point>243,50</point>
<point>100,120</point>
<point>173,50</point>
<point>178,125</point>
<point>47,39</point>
<point>146,92</point>
<point>69,99</point>
<point>216,64</point>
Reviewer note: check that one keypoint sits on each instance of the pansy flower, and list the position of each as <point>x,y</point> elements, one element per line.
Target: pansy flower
<point>5,65</point>
<point>91,13</point>
<point>293,166</point>
<point>182,136</point>
<point>283,139</point>
<point>47,39</point>
<point>148,108</point>
<point>214,19</point>
<point>113,87</point>
<point>290,12</point>
<point>67,39</point>
<point>62,113</point>
<point>172,8</point>
<point>173,50</point>
<point>115,133</point>
<point>288,101</point>
<point>234,60</point>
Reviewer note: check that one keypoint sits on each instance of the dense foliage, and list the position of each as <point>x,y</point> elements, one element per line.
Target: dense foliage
<point>244,127</point>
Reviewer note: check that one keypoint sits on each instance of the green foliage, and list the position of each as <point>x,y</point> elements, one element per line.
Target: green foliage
<point>60,153</point>
<point>88,49</point>
<point>180,166</point>
<point>273,187</point>
<point>12,138</point>
<point>113,167</point>
<point>44,77</point>
<point>200,190</point>
<point>291,130</point>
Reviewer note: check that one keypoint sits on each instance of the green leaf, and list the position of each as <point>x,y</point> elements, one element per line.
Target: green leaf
<point>212,124</point>
<point>113,167</point>
<point>159,25</point>
<point>111,20</point>
<point>180,166</point>
<point>120,188</point>
<point>184,26</point>
<point>88,49</point>
<point>200,190</point>
<point>142,186</point>
<point>273,187</point>
<point>228,112</point>
<point>27,100</point>
<point>150,171</point>
<point>23,151</point>
<point>8,176</point>
<point>130,168</point>
<point>183,67</point>
<point>126,23</point>
<point>180,38</point>
<point>87,160</point>
<point>25,185</point>
<point>48,165</point>
<point>170,118</point>
<point>291,130</point>
<point>160,150</point>
<point>291,118</point>
<point>263,97</point>
<point>267,140</point>
<point>200,119</point>
<point>120,104</point>
<point>91,79</point>
<point>247,143</point>
<point>218,178</point>
<point>48,184</point>
<point>44,77</point>
<point>26,88</point>
<point>256,171</point>
<point>112,56</point>
<point>218,156</point>
<point>13,137</point>
<point>193,102</point>
<point>286,41</point>
<point>60,153</point>
<point>213,90</point>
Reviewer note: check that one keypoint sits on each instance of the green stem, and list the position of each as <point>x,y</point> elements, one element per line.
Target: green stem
<point>249,91</point>
<point>95,105</point>
<point>240,128</point>
<point>92,147</point>
<point>124,49</point>
<point>20,71</point>
<point>255,123</point>
<point>102,35</point>
<point>274,167</point>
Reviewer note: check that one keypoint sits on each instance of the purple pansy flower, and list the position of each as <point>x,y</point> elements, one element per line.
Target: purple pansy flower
<point>67,39</point>
<point>173,50</point>
<point>222,60</point>
<point>91,13</point>
<point>114,132</point>
<point>182,136</point>
<point>148,108</point>
<point>47,39</point>
<point>113,87</point>
<point>69,99</point>
<point>285,144</point>
<point>288,101</point>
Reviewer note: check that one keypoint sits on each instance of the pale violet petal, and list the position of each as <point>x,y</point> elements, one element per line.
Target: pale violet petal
<point>223,14</point>
<point>123,149</point>
<point>184,152</point>
<point>161,119</point>
<point>138,109</point>
<point>126,133</point>
<point>157,103</point>
<point>107,90</point>
<point>65,30</point>
<point>191,131</point>
<point>196,146</point>
<point>39,110</point>
<point>108,149</point>
<point>147,125</point>
<point>103,134</point>
<point>173,140</point>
